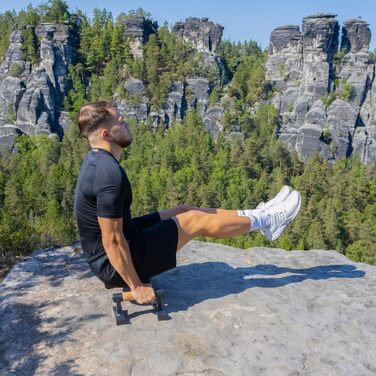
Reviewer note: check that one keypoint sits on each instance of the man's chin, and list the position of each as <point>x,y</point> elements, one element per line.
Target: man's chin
<point>127,143</point>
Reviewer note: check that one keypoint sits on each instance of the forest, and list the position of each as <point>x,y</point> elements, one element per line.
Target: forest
<point>182,164</point>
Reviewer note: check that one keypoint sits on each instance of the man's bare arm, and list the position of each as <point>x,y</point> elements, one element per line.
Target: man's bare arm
<point>119,255</point>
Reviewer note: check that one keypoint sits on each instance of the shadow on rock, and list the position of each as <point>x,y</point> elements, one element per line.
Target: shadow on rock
<point>47,265</point>
<point>24,333</point>
<point>187,285</point>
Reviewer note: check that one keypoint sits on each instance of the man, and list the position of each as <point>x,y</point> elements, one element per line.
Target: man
<point>124,251</point>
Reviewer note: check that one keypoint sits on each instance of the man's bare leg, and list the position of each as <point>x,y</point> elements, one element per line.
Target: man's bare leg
<point>217,225</point>
<point>224,224</point>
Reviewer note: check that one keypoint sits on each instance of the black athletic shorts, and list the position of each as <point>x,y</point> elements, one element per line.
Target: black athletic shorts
<point>155,252</point>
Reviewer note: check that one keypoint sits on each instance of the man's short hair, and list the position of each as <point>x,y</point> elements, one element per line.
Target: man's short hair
<point>94,115</point>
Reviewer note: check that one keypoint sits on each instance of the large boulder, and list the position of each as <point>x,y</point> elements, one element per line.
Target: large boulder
<point>135,105</point>
<point>138,29</point>
<point>238,312</point>
<point>284,66</point>
<point>197,93</point>
<point>176,104</point>
<point>356,36</point>
<point>202,33</point>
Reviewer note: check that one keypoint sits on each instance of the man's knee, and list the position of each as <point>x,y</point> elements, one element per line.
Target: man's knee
<point>192,222</point>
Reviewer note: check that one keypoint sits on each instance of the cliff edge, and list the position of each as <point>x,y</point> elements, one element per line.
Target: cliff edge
<point>258,311</point>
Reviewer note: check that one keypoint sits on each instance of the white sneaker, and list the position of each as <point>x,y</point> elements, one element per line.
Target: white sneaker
<point>280,197</point>
<point>282,214</point>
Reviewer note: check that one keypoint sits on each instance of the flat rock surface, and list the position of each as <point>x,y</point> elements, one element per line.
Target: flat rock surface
<point>258,311</point>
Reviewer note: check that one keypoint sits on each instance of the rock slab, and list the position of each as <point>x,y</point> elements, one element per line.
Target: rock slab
<point>258,311</point>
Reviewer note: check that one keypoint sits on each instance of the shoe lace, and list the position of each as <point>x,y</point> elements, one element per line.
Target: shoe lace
<point>280,216</point>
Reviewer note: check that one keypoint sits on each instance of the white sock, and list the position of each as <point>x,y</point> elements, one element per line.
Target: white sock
<point>259,218</point>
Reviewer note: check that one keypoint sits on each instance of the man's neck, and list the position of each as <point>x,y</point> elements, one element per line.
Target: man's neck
<point>114,149</point>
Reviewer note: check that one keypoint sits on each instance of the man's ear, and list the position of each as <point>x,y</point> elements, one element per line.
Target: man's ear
<point>105,133</point>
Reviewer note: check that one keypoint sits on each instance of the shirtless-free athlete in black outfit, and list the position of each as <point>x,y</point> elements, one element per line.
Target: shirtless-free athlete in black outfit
<point>103,190</point>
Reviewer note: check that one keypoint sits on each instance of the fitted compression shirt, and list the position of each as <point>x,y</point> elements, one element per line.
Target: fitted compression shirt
<point>102,190</point>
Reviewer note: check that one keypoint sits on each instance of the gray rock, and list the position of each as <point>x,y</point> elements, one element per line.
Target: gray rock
<point>176,104</point>
<point>341,120</point>
<point>157,119</point>
<point>11,92</point>
<point>202,33</point>
<point>36,101</point>
<point>289,99</point>
<point>138,112</point>
<point>284,65</point>
<point>64,120</point>
<point>316,115</point>
<point>234,312</point>
<point>197,93</point>
<point>364,144</point>
<point>135,106</point>
<point>134,87</point>
<point>309,140</point>
<point>305,69</point>
<point>212,120</point>
<point>365,136</point>
<point>138,29</point>
<point>56,53</point>
<point>37,96</point>
<point>8,133</point>
<point>356,36</point>
<point>14,55</point>
<point>357,72</point>
<point>288,137</point>
<point>285,38</point>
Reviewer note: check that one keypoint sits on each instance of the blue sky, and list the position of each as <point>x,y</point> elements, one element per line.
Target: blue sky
<point>242,20</point>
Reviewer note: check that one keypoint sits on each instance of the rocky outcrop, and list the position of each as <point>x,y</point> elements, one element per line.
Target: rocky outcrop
<point>202,33</point>
<point>205,36</point>
<point>32,96</point>
<point>193,93</point>
<point>259,311</point>
<point>183,96</point>
<point>323,92</point>
<point>14,56</point>
<point>138,29</point>
<point>135,104</point>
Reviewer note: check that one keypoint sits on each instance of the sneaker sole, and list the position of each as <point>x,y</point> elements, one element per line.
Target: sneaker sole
<point>280,230</point>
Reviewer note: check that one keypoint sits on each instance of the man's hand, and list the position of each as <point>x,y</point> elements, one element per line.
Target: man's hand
<point>144,294</point>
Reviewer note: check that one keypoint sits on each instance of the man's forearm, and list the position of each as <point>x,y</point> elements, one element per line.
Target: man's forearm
<point>120,258</point>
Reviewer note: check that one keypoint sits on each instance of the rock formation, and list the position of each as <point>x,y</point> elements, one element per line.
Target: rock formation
<point>234,312</point>
<point>205,36</point>
<point>31,96</point>
<point>138,29</point>
<point>323,92</point>
<point>202,33</point>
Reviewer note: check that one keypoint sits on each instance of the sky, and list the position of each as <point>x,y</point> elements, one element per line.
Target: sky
<point>242,19</point>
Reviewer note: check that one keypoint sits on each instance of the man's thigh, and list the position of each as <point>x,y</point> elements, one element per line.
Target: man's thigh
<point>160,246</point>
<point>152,253</point>
<point>147,220</point>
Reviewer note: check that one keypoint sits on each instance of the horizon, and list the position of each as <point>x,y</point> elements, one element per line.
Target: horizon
<point>241,21</point>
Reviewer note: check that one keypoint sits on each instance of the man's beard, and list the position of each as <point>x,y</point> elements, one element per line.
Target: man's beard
<point>121,139</point>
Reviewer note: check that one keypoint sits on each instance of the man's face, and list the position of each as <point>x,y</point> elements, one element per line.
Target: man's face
<point>119,130</point>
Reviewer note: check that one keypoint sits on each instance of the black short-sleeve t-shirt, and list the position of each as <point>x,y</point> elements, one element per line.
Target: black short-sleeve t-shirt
<point>102,190</point>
